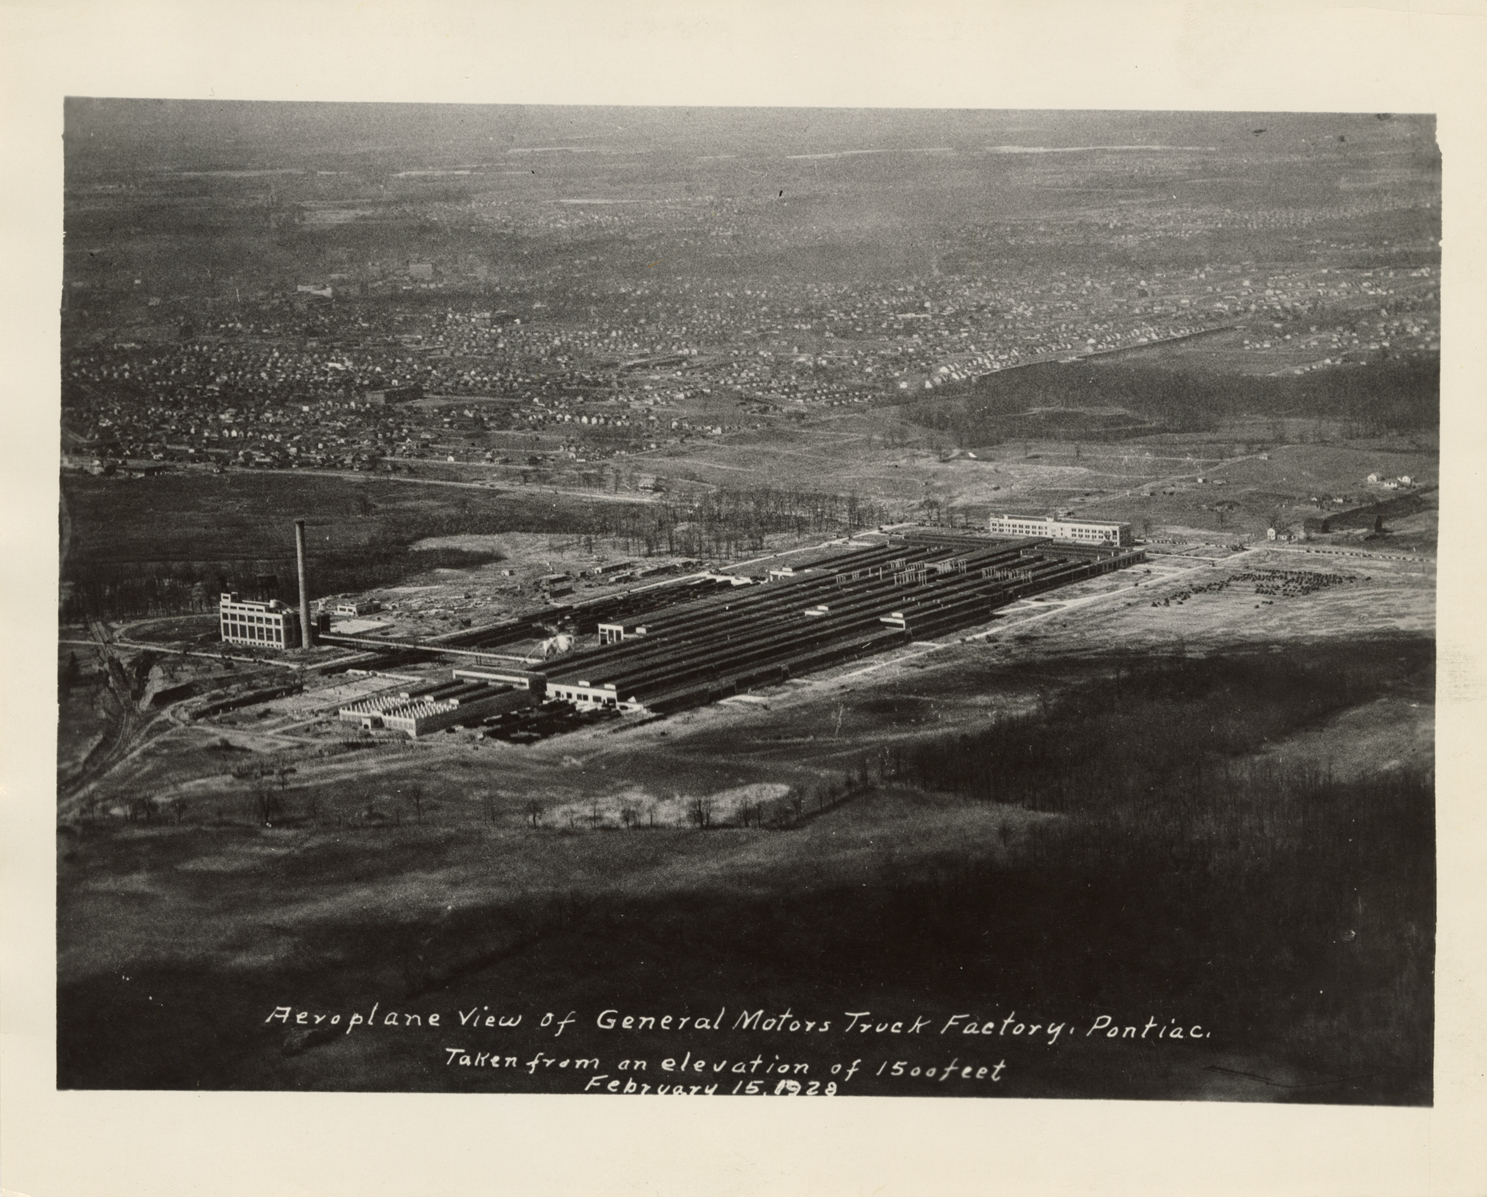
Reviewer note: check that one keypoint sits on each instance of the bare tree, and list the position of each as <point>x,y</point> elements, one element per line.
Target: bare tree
<point>534,811</point>
<point>265,798</point>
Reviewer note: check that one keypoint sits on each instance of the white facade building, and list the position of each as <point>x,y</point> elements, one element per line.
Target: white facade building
<point>1091,532</point>
<point>267,625</point>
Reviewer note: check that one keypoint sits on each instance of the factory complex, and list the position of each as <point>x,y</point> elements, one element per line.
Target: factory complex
<point>695,640</point>
<point>684,643</point>
<point>847,605</point>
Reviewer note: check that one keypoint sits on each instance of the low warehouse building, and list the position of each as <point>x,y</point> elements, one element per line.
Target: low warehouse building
<point>424,709</point>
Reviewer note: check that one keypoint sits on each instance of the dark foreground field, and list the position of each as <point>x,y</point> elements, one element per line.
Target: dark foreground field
<point>1140,887</point>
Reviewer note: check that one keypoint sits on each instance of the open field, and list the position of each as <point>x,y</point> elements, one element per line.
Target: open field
<point>465,896</point>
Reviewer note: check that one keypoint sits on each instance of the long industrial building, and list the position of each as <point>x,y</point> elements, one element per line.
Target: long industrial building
<point>847,605</point>
<point>436,705</point>
<point>694,640</point>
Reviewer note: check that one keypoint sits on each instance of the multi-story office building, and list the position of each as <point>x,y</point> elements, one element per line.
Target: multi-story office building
<point>268,625</point>
<point>1079,531</point>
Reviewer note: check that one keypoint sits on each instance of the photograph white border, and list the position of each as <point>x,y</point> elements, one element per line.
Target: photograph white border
<point>1296,55</point>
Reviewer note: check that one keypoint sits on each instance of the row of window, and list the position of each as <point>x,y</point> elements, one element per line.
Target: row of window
<point>243,635</point>
<point>582,696</point>
<point>1042,529</point>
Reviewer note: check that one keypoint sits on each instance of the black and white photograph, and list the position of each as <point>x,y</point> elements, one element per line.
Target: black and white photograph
<point>748,601</point>
<point>720,552</point>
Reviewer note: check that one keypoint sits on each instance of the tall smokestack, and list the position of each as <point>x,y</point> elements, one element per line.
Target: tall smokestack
<point>305,632</point>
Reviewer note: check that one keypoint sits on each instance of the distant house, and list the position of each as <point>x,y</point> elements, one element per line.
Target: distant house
<point>386,395</point>
<point>422,272</point>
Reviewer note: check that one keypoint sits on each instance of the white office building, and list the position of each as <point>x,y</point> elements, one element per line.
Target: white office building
<point>1091,532</point>
<point>267,625</point>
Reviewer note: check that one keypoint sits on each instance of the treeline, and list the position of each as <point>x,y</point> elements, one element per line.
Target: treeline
<point>371,545</point>
<point>728,521</point>
<point>140,590</point>
<point>704,523</point>
<point>1290,913</point>
<point>1388,397</point>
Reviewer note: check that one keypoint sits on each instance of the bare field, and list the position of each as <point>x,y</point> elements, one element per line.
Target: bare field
<point>1156,481</point>
<point>511,881</point>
